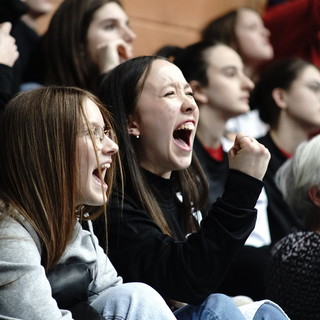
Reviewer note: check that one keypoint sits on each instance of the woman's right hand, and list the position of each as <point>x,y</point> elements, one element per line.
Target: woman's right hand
<point>113,53</point>
<point>8,49</point>
<point>249,156</point>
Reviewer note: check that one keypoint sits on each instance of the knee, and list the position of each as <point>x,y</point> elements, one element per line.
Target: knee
<point>218,298</point>
<point>138,290</point>
<point>269,312</point>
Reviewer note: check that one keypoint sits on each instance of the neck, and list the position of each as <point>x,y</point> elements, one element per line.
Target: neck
<point>156,171</point>
<point>288,135</point>
<point>252,71</point>
<point>211,127</point>
<point>29,21</point>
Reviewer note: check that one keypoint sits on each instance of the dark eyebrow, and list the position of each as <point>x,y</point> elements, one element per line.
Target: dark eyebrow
<point>226,68</point>
<point>314,82</point>
<point>108,20</point>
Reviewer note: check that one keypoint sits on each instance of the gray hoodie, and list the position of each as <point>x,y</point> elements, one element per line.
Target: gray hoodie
<point>25,292</point>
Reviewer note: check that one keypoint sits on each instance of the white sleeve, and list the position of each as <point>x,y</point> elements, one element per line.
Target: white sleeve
<point>260,236</point>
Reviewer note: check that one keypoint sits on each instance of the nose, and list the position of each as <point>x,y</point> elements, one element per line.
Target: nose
<point>247,83</point>
<point>188,105</point>
<point>265,31</point>
<point>128,34</point>
<point>109,146</point>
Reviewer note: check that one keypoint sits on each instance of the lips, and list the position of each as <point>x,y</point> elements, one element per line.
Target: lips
<point>100,178</point>
<point>182,134</point>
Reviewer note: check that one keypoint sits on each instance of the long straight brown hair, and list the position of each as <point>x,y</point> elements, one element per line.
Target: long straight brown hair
<point>38,163</point>
<point>120,90</point>
<point>66,56</point>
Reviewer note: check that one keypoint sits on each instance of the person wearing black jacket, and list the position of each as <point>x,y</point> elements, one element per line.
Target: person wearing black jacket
<point>288,99</point>
<point>26,68</point>
<point>154,234</point>
<point>221,89</point>
<point>8,55</point>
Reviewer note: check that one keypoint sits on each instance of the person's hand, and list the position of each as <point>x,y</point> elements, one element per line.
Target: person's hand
<point>249,156</point>
<point>8,48</point>
<point>112,54</point>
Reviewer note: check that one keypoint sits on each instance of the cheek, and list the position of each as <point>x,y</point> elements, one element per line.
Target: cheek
<point>244,39</point>
<point>250,43</point>
<point>96,37</point>
<point>83,166</point>
<point>85,153</point>
<point>301,100</point>
<point>221,95</point>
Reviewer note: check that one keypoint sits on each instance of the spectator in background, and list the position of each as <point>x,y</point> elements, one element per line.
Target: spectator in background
<point>93,36</point>
<point>295,29</point>
<point>288,98</point>
<point>294,276</point>
<point>23,15</point>
<point>8,56</point>
<point>244,30</point>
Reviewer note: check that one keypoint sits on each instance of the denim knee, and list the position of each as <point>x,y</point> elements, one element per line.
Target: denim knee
<point>215,307</point>
<point>269,312</point>
<point>132,301</point>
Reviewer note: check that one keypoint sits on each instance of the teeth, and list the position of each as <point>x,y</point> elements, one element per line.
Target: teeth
<point>186,126</point>
<point>105,166</point>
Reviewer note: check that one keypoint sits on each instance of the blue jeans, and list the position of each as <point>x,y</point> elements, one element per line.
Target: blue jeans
<point>268,312</point>
<point>221,307</point>
<point>215,307</point>
<point>132,301</point>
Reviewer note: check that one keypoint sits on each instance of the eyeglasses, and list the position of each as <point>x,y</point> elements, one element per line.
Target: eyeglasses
<point>100,134</point>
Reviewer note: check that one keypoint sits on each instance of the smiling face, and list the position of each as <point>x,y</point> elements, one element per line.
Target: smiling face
<point>92,189</point>
<point>252,37</point>
<point>165,118</point>
<point>228,88</point>
<point>302,100</point>
<point>109,23</point>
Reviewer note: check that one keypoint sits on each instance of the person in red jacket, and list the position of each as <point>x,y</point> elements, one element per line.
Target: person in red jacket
<point>294,26</point>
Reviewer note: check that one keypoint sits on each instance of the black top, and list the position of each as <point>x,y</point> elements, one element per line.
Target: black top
<point>281,219</point>
<point>247,271</point>
<point>216,171</point>
<point>294,275</point>
<point>28,45</point>
<point>182,268</point>
<point>6,77</point>
<point>12,10</point>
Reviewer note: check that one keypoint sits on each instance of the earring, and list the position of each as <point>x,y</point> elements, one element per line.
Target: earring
<point>137,136</point>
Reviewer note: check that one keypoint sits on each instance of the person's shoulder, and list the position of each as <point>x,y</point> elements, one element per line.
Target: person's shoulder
<point>19,231</point>
<point>10,225</point>
<point>293,243</point>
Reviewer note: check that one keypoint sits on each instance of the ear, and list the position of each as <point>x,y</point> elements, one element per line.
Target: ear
<point>279,96</point>
<point>198,92</point>
<point>314,195</point>
<point>133,127</point>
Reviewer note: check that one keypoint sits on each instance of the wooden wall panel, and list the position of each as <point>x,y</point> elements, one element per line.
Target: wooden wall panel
<point>175,22</point>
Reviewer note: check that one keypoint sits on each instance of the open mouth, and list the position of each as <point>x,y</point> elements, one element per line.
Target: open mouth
<point>182,135</point>
<point>97,177</point>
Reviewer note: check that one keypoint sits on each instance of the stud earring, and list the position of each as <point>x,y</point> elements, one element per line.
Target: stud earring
<point>137,136</point>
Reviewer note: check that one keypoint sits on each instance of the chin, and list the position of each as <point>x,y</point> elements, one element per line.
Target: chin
<point>182,165</point>
<point>95,201</point>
